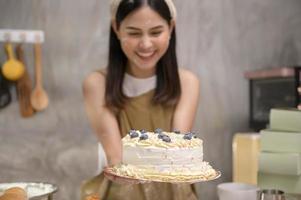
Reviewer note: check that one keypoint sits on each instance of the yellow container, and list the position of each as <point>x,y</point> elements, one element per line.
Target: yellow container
<point>245,150</point>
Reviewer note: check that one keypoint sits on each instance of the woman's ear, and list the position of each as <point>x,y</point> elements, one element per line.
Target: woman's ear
<point>114,26</point>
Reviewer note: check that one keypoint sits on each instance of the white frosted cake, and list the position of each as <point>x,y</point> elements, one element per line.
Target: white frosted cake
<point>167,156</point>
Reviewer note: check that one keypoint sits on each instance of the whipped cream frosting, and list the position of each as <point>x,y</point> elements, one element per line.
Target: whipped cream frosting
<point>177,141</point>
<point>206,172</point>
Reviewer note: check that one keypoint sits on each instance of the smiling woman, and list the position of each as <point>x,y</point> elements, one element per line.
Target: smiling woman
<point>143,44</point>
<point>141,88</point>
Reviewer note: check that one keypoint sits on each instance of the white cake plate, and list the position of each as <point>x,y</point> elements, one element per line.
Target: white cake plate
<point>111,175</point>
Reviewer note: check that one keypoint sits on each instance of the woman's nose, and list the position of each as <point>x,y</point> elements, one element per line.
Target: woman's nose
<point>145,43</point>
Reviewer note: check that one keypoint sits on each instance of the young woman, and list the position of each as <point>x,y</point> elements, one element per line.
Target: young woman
<point>142,88</point>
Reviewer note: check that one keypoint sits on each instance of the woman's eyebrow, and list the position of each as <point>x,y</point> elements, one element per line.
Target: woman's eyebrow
<point>157,27</point>
<point>132,28</point>
<point>138,29</point>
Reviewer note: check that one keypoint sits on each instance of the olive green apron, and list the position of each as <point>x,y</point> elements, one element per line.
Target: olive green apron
<point>139,113</point>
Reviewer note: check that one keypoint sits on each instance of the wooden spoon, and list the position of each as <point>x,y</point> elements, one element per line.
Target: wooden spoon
<point>39,98</point>
<point>12,68</point>
<point>24,86</point>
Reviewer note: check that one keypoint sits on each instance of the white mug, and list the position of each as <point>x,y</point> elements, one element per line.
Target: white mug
<point>239,191</point>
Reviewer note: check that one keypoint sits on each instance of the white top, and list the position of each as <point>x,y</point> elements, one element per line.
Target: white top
<point>133,86</point>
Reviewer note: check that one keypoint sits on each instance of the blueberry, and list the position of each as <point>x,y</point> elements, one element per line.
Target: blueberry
<point>158,130</point>
<point>187,136</point>
<point>161,135</point>
<point>134,134</point>
<point>193,135</point>
<point>166,138</point>
<point>177,131</point>
<point>190,133</point>
<point>143,136</point>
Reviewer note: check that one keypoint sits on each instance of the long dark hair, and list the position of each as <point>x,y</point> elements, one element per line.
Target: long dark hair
<point>168,88</point>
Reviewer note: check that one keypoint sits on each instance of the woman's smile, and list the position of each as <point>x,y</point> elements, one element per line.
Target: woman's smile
<point>146,55</point>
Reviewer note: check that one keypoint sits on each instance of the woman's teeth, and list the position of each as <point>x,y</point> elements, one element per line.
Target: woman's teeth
<point>145,55</point>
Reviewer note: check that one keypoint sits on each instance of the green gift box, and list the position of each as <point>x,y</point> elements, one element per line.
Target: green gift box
<point>280,163</point>
<point>285,120</point>
<point>288,184</point>
<point>280,141</point>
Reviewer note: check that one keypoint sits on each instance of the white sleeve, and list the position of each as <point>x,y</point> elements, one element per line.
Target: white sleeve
<point>102,160</point>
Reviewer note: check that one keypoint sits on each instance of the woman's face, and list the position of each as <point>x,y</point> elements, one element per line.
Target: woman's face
<point>144,37</point>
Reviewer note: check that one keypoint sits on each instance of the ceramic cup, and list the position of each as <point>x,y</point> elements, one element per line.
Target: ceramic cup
<point>231,191</point>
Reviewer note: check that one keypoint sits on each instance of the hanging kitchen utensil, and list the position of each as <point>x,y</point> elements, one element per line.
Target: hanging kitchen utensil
<point>12,69</point>
<point>39,98</point>
<point>5,96</point>
<point>24,86</point>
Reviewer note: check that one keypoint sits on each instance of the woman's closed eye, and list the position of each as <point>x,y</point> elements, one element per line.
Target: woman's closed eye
<point>137,34</point>
<point>156,33</point>
<point>134,34</point>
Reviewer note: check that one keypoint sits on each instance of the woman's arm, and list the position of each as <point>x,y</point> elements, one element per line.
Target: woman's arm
<point>102,120</point>
<point>187,106</point>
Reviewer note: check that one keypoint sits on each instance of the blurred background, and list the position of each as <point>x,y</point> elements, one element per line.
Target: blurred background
<point>218,40</point>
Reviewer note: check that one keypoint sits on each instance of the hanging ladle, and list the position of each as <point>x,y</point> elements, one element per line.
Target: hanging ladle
<point>12,69</point>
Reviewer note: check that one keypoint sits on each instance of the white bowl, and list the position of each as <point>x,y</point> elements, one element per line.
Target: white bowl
<point>35,190</point>
<point>239,191</point>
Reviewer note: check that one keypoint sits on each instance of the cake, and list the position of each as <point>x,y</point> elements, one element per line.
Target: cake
<point>163,156</point>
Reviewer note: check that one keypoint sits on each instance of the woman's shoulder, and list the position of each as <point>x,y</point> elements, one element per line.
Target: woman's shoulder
<point>188,78</point>
<point>96,80</point>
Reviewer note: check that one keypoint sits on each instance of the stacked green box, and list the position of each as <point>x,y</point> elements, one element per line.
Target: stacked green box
<point>289,184</point>
<point>285,120</point>
<point>280,156</point>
